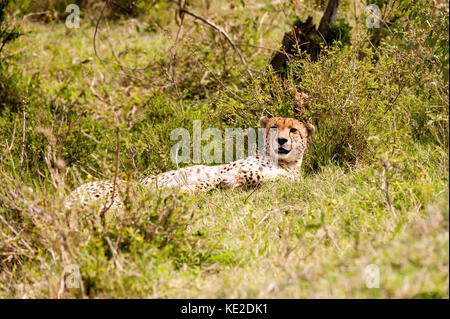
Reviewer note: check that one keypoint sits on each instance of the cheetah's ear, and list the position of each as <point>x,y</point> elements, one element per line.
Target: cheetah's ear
<point>263,121</point>
<point>311,130</point>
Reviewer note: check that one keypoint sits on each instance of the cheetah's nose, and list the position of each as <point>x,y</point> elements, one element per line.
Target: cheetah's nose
<point>281,140</point>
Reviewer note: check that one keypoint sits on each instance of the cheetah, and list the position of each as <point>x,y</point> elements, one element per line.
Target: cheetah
<point>285,142</point>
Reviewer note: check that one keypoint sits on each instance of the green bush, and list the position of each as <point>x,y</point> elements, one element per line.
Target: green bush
<point>8,90</point>
<point>7,33</point>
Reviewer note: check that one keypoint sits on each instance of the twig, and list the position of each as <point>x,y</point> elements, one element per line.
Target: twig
<point>4,57</point>
<point>171,72</point>
<point>16,233</point>
<point>96,30</point>
<point>35,14</point>
<point>105,209</point>
<point>102,61</point>
<point>331,237</point>
<point>127,10</point>
<point>240,44</point>
<point>22,151</point>
<point>276,210</point>
<point>396,97</point>
<point>222,31</point>
<point>387,168</point>
<point>10,146</point>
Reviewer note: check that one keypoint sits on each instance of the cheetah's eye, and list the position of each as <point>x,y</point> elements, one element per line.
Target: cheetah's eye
<point>293,130</point>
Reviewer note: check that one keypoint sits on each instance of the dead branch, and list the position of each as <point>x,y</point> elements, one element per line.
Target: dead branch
<point>386,174</point>
<point>3,220</point>
<point>22,151</point>
<point>10,146</point>
<point>223,32</point>
<point>96,30</point>
<point>260,47</point>
<point>105,209</point>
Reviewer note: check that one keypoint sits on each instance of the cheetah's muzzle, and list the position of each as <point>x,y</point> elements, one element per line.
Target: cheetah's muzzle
<point>283,151</point>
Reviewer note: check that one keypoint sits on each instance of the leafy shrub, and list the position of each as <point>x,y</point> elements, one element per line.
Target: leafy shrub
<point>10,92</point>
<point>7,33</point>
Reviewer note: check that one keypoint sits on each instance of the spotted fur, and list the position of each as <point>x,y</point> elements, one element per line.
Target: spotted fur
<point>285,144</point>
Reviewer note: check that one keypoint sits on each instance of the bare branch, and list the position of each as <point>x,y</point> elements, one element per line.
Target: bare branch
<point>223,32</point>
<point>261,47</point>
<point>106,208</point>
<point>22,151</point>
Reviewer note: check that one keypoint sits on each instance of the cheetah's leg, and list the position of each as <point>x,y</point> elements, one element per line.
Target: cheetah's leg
<point>202,186</point>
<point>242,177</point>
<point>252,176</point>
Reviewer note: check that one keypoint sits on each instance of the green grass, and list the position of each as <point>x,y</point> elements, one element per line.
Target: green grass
<point>308,239</point>
<point>312,238</point>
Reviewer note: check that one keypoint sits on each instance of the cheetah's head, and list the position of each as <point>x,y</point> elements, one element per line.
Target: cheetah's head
<point>286,139</point>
